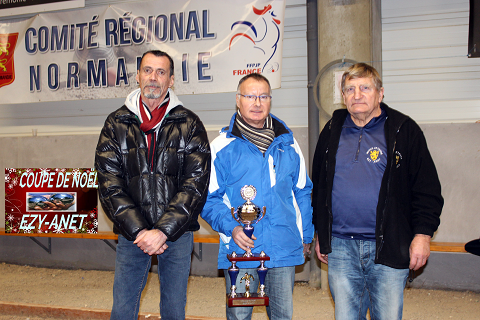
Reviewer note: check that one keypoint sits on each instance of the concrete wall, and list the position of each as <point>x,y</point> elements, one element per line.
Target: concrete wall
<point>449,271</point>
<point>456,152</point>
<point>455,148</point>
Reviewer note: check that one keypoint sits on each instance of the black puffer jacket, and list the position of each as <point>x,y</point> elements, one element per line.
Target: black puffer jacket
<point>167,195</point>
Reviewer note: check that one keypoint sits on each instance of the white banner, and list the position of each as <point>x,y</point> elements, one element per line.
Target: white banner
<point>94,53</point>
<point>14,7</point>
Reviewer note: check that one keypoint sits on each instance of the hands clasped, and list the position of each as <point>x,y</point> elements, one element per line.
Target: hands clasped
<point>151,241</point>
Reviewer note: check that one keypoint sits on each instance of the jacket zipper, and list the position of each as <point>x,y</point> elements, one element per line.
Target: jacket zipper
<point>359,143</point>
<point>380,246</point>
<point>153,166</point>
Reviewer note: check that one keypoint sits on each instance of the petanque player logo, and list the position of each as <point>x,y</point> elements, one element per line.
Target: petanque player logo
<point>247,278</point>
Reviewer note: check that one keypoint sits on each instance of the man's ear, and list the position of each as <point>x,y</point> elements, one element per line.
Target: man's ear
<point>381,94</point>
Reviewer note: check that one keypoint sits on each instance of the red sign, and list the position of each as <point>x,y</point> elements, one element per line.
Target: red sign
<point>7,48</point>
<point>50,200</point>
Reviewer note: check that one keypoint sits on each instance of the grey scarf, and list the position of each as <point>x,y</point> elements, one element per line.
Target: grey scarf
<point>262,138</point>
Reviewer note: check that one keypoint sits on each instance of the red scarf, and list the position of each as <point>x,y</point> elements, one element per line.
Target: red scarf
<point>148,125</point>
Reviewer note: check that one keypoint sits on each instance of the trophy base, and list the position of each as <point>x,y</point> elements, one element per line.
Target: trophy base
<point>241,301</point>
<point>254,257</point>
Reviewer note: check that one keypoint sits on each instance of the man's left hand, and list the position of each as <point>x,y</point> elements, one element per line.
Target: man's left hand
<point>419,251</point>
<point>151,241</point>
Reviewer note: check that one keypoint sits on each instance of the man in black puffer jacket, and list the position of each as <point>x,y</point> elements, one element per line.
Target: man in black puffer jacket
<point>153,163</point>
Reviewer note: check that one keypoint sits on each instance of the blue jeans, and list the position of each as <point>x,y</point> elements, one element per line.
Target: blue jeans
<point>132,266</point>
<point>352,274</point>
<point>279,284</point>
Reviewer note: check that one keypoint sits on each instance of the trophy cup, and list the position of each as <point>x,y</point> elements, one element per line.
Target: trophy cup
<point>247,215</point>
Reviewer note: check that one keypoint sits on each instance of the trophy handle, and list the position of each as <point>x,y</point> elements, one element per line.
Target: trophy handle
<point>261,217</point>
<point>234,216</point>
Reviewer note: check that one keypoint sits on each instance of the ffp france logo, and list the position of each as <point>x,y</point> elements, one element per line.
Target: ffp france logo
<point>264,34</point>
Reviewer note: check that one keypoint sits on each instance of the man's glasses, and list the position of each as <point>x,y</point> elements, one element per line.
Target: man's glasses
<point>253,98</point>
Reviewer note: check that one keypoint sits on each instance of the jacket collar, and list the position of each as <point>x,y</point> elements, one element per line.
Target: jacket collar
<point>132,101</point>
<point>394,117</point>
<point>130,111</point>
<point>393,123</point>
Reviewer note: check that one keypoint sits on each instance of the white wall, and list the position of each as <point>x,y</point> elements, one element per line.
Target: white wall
<point>426,71</point>
<point>427,75</point>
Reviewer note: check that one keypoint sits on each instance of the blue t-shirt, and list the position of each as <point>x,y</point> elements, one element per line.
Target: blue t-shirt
<point>360,163</point>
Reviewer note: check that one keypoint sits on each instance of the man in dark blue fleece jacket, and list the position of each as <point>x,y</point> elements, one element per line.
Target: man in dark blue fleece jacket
<point>376,200</point>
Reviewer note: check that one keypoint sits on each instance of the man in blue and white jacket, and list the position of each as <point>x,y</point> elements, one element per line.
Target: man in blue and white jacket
<point>258,149</point>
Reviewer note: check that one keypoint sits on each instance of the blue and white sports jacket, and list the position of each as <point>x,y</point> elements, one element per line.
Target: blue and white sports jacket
<point>283,187</point>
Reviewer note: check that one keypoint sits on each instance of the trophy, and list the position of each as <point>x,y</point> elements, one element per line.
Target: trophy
<point>247,215</point>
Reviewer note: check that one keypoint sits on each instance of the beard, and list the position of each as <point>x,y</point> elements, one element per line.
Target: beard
<point>153,89</point>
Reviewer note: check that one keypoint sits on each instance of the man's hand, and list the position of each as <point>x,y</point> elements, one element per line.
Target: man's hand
<point>151,241</point>
<point>306,249</point>
<point>242,240</point>
<point>419,251</point>
<point>322,257</point>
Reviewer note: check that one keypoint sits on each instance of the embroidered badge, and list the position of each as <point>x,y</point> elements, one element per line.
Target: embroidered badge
<point>374,154</point>
<point>398,157</point>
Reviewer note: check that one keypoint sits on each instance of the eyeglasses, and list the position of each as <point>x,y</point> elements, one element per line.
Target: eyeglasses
<point>363,88</point>
<point>252,98</point>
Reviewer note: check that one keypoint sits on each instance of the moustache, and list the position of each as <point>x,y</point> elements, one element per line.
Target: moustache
<point>151,84</point>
